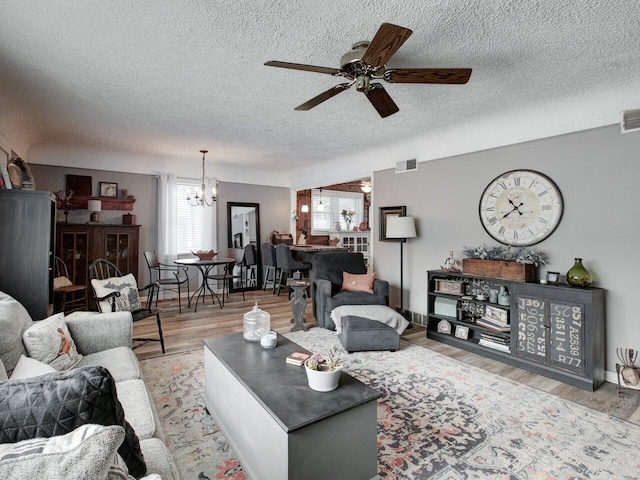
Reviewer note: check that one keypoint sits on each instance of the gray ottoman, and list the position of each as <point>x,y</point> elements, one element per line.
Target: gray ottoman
<point>360,334</point>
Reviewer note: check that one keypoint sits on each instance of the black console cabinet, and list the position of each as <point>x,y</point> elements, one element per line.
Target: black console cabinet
<point>555,330</point>
<point>27,237</point>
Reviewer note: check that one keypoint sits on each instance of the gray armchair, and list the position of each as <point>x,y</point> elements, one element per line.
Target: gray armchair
<point>328,285</point>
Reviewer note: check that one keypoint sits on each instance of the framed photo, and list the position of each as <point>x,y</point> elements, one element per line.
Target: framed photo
<point>80,185</point>
<point>553,278</point>
<point>386,212</point>
<point>108,189</point>
<point>462,332</point>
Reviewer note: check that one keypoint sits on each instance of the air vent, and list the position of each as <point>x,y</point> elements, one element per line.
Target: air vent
<point>630,121</point>
<point>407,166</point>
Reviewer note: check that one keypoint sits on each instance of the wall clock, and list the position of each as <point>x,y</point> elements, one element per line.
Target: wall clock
<point>521,207</point>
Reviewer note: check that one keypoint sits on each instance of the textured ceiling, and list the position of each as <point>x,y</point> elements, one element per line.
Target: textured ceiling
<point>163,79</point>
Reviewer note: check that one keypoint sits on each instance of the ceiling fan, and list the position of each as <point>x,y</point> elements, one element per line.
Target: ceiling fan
<point>365,63</point>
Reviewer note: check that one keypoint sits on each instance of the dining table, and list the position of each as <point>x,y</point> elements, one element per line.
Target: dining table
<point>205,267</point>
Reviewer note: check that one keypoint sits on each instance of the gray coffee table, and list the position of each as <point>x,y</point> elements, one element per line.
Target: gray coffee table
<point>279,427</point>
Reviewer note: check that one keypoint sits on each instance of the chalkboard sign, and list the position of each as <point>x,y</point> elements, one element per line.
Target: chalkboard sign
<point>567,336</point>
<point>530,314</point>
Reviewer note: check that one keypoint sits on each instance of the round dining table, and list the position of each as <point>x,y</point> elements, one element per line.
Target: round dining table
<point>205,267</point>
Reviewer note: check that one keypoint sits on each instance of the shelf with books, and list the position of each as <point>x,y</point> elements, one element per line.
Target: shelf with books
<point>530,333</point>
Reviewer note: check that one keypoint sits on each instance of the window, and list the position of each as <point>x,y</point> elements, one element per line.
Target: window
<point>324,216</point>
<point>189,219</point>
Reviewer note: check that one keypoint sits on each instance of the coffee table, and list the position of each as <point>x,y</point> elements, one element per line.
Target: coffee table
<point>277,426</point>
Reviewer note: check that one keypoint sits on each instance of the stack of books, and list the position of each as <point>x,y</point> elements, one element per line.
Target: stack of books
<point>497,342</point>
<point>297,358</point>
<point>493,324</point>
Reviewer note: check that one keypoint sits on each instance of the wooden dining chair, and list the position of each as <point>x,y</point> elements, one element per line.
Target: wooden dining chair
<point>68,297</point>
<point>114,292</point>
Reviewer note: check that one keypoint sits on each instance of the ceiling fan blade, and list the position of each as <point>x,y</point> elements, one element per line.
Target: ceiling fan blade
<point>300,66</point>
<point>381,100</point>
<point>315,101</point>
<point>387,41</point>
<point>428,75</point>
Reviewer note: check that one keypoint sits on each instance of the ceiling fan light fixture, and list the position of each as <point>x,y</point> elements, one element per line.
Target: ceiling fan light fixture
<point>366,187</point>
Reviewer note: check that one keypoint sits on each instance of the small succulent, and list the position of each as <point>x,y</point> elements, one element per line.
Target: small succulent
<point>330,361</point>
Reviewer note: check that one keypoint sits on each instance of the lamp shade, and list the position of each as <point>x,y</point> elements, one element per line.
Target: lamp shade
<point>94,205</point>
<point>304,208</point>
<point>401,227</point>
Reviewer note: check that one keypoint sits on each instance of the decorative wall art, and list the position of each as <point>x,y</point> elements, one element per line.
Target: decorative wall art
<point>80,185</point>
<point>108,189</point>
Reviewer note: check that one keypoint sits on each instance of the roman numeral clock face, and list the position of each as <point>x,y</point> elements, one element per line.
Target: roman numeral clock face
<point>521,207</point>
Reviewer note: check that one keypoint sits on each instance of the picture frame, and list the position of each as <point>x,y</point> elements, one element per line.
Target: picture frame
<point>80,185</point>
<point>462,332</point>
<point>553,278</point>
<point>386,212</point>
<point>108,189</point>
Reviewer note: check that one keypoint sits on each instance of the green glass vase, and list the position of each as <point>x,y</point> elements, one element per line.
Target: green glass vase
<point>578,276</point>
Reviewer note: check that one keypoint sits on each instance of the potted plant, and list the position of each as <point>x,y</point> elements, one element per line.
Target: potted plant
<point>323,370</point>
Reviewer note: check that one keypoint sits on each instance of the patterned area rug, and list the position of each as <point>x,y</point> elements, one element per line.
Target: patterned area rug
<point>438,418</point>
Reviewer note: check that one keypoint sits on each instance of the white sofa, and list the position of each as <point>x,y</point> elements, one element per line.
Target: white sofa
<point>103,340</point>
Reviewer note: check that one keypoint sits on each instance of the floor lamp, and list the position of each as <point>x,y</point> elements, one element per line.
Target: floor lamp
<point>401,228</point>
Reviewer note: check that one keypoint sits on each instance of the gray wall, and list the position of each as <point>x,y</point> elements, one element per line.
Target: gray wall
<point>274,204</point>
<point>142,187</point>
<point>597,172</point>
<point>274,208</point>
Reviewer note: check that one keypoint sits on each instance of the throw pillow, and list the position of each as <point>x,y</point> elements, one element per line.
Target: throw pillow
<point>86,452</point>
<point>128,301</point>
<point>358,283</point>
<point>49,341</point>
<point>58,403</point>
<point>30,367</point>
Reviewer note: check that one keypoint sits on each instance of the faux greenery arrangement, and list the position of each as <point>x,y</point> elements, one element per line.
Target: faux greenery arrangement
<point>330,361</point>
<point>506,253</point>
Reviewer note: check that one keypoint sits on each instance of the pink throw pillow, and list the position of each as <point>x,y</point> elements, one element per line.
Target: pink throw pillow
<point>358,283</point>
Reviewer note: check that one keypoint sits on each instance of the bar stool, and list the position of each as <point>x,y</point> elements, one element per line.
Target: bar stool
<point>287,265</point>
<point>269,264</point>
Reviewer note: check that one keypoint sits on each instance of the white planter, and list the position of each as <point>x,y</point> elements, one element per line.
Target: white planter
<point>322,380</point>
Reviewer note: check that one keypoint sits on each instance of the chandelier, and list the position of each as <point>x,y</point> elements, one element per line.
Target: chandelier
<point>196,198</point>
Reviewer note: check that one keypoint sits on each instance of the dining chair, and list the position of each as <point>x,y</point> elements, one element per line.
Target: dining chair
<point>229,275</point>
<point>287,265</point>
<point>114,292</point>
<point>68,297</point>
<point>173,283</point>
<point>269,265</point>
<point>250,263</point>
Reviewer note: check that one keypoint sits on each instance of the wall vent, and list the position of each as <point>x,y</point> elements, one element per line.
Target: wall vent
<point>406,166</point>
<point>630,121</point>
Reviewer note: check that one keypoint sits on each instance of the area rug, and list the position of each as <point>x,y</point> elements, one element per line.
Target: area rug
<point>438,418</point>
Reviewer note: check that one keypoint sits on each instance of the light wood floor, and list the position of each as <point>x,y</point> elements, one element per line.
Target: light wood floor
<point>184,332</point>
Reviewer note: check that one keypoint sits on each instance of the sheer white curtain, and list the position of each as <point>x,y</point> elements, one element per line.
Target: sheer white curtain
<point>167,223</point>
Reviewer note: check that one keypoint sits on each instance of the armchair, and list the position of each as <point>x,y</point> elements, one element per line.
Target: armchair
<point>328,284</point>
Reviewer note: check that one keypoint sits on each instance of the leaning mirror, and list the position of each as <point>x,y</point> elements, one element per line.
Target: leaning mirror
<point>243,226</point>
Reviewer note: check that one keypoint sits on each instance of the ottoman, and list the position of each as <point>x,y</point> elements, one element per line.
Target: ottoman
<point>360,334</point>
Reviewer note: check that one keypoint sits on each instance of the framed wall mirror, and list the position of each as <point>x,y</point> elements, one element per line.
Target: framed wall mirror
<point>243,228</point>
